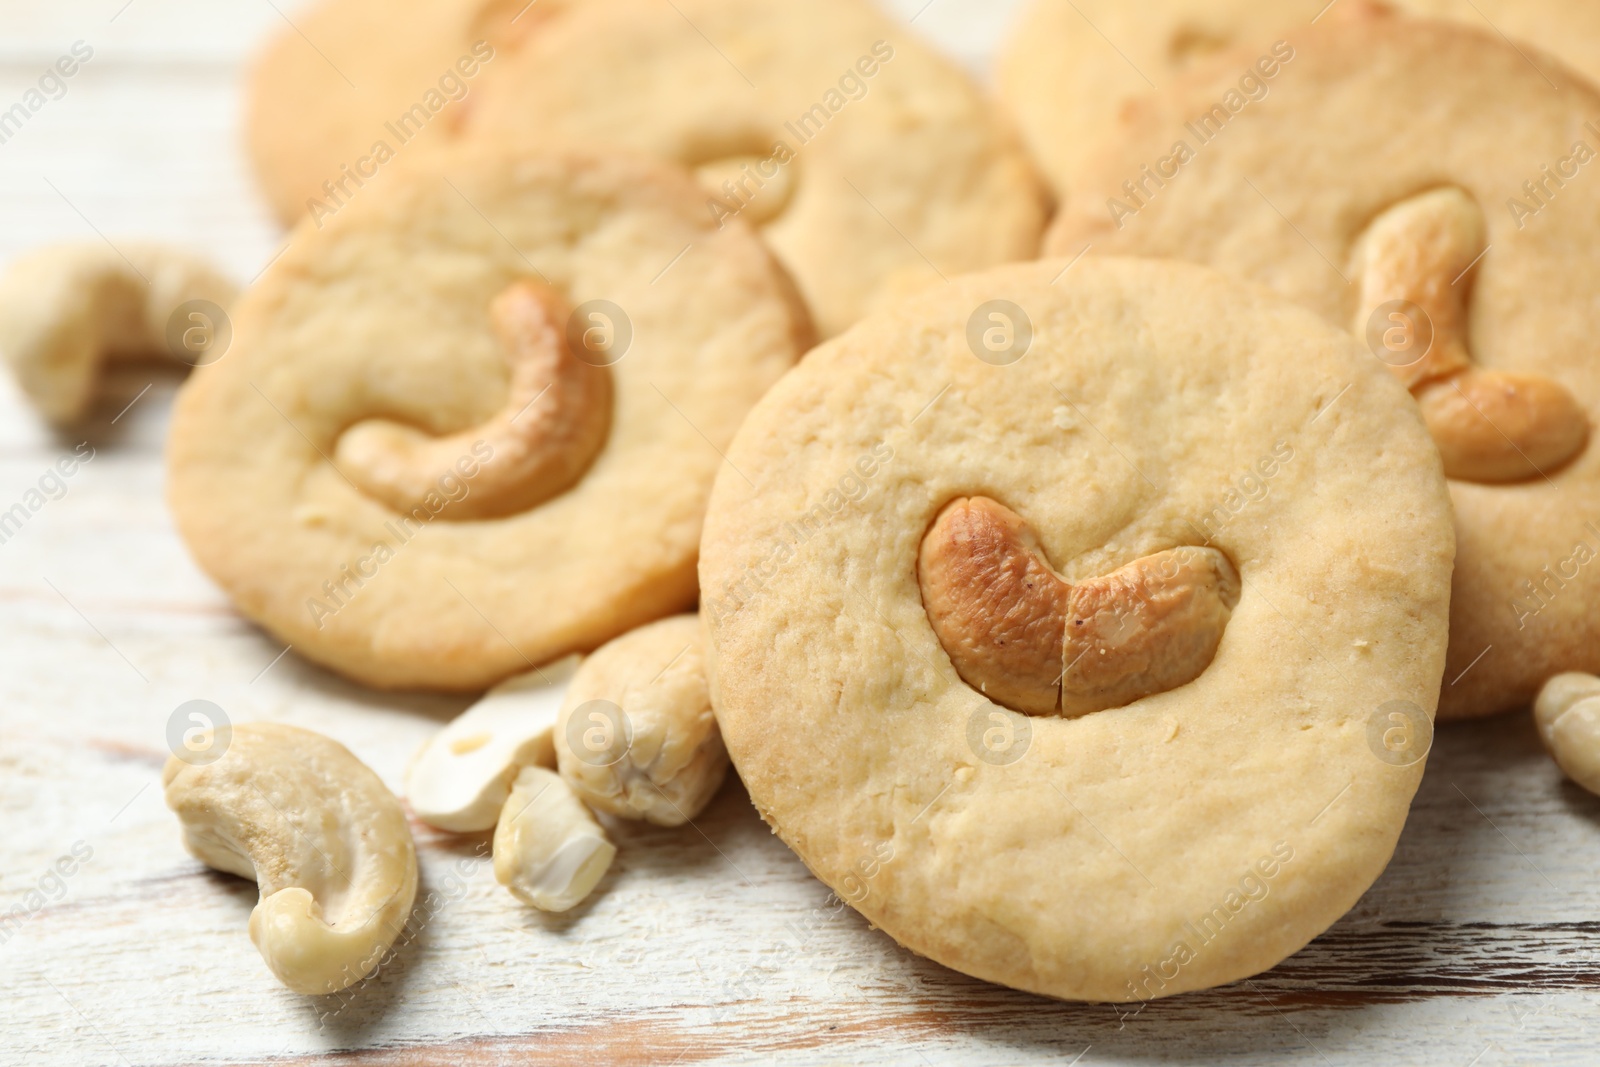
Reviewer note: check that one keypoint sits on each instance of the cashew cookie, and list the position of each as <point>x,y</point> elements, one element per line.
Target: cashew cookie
<point>1455,238</point>
<point>1052,625</point>
<point>471,424</point>
<point>871,165</point>
<point>1070,67</point>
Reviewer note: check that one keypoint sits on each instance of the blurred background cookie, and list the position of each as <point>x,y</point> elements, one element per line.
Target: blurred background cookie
<point>871,165</point>
<point>1424,186</point>
<point>1070,67</point>
<point>980,528</point>
<point>471,424</point>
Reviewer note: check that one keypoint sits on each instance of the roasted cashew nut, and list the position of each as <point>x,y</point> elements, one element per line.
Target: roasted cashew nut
<point>1026,638</point>
<point>548,850</point>
<point>1567,712</point>
<point>64,309</point>
<point>555,420</point>
<point>1490,426</point>
<point>672,760</point>
<point>319,832</point>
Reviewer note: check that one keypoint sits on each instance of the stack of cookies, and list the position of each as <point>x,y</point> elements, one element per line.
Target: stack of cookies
<point>1081,620</point>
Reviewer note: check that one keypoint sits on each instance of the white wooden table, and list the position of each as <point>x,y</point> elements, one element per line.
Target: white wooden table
<point>1478,947</point>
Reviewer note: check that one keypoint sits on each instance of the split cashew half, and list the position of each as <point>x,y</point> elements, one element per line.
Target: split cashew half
<point>1567,713</point>
<point>548,850</point>
<point>637,737</point>
<point>1491,427</point>
<point>64,309</point>
<point>319,832</point>
<point>1026,638</point>
<point>554,422</point>
<point>461,776</point>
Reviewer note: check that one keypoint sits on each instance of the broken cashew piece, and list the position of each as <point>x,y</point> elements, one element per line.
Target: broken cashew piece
<point>319,832</point>
<point>1491,427</point>
<point>555,420</point>
<point>1026,638</point>
<point>651,685</point>
<point>65,309</point>
<point>548,849</point>
<point>460,778</point>
<point>1567,712</point>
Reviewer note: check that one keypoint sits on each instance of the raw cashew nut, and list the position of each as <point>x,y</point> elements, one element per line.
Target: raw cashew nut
<point>1028,639</point>
<point>1567,713</point>
<point>1490,426</point>
<point>461,776</point>
<point>66,308</point>
<point>555,419</point>
<point>548,850</point>
<point>650,683</point>
<point>319,832</point>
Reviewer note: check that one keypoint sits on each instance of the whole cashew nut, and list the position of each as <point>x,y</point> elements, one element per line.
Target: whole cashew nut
<point>319,832</point>
<point>1567,713</point>
<point>1490,426</point>
<point>1028,639</point>
<point>64,309</point>
<point>652,684</point>
<point>554,422</point>
<point>548,850</point>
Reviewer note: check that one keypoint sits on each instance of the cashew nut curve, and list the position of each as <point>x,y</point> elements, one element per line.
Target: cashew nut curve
<point>462,775</point>
<point>548,850</point>
<point>1491,427</point>
<point>655,679</point>
<point>65,309</point>
<point>1567,713</point>
<point>319,832</point>
<point>555,420</point>
<point>1026,638</point>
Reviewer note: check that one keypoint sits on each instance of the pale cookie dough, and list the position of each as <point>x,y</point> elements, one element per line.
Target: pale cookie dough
<point>413,467</point>
<point>1193,458</point>
<point>1405,160</point>
<point>1071,67</point>
<point>873,166</point>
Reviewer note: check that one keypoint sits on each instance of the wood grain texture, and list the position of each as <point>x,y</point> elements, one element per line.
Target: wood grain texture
<point>710,944</point>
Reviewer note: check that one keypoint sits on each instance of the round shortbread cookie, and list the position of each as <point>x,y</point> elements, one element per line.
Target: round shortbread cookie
<point>1122,409</point>
<point>1390,115</point>
<point>873,166</point>
<point>382,481</point>
<point>1070,67</point>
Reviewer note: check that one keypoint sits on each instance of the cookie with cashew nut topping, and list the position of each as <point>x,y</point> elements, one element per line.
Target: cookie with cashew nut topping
<point>1453,233</point>
<point>470,425</point>
<point>1017,680</point>
<point>637,737</point>
<point>319,832</point>
<point>1070,67</point>
<point>66,309</point>
<point>872,166</point>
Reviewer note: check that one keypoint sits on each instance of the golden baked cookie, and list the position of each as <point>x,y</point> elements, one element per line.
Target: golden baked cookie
<point>471,424</point>
<point>1423,186</point>
<point>350,85</point>
<point>872,166</point>
<point>1084,633</point>
<point>1071,67</point>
